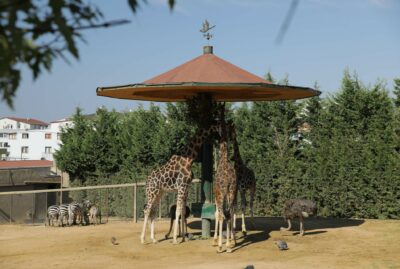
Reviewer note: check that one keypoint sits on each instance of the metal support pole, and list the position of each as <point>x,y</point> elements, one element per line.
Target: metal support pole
<point>61,186</point>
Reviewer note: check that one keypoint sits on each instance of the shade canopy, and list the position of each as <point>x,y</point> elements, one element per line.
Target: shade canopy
<point>207,74</point>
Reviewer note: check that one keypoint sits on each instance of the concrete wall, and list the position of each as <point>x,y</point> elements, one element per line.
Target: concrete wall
<point>19,176</point>
<point>27,208</point>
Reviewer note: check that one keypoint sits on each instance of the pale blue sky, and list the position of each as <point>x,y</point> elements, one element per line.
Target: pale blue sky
<point>325,37</point>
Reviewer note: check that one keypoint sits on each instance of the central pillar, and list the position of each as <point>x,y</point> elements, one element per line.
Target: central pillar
<point>207,212</point>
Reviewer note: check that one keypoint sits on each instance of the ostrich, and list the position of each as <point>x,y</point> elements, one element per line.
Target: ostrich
<point>298,208</point>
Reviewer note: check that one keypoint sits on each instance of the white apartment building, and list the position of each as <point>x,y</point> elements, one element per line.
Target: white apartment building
<point>29,139</point>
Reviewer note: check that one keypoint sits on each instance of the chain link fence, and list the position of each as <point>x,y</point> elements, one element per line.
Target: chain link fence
<point>116,202</point>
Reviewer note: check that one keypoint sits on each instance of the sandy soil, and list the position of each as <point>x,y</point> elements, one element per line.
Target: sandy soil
<point>327,244</point>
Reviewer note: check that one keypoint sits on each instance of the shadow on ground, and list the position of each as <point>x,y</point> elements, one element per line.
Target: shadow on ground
<point>269,224</point>
<point>260,228</point>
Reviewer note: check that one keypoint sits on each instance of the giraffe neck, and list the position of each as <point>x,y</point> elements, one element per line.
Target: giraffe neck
<point>223,150</point>
<point>236,153</point>
<point>191,151</point>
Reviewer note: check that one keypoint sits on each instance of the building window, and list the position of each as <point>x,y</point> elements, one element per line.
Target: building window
<point>47,149</point>
<point>2,135</point>
<point>25,136</point>
<point>47,136</point>
<point>24,149</point>
<point>1,144</point>
<point>12,136</point>
<point>6,145</point>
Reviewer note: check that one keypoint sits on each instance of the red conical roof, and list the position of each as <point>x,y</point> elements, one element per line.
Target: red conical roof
<point>207,74</point>
<point>206,68</point>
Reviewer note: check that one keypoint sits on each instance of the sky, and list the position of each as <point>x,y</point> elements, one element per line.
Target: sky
<point>324,38</point>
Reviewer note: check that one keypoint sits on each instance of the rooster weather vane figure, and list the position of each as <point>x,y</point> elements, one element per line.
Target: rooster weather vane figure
<point>205,29</point>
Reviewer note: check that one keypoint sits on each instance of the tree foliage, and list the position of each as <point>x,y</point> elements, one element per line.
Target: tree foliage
<point>34,33</point>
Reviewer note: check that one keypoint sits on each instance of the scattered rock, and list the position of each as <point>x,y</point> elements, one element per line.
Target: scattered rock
<point>249,267</point>
<point>190,236</point>
<point>114,241</point>
<point>282,245</point>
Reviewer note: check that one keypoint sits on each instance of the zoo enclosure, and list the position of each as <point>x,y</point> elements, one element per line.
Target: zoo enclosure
<point>116,202</point>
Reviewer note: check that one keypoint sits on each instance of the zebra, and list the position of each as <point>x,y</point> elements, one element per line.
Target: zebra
<point>87,203</point>
<point>52,214</point>
<point>63,214</point>
<point>75,213</point>
<point>94,215</point>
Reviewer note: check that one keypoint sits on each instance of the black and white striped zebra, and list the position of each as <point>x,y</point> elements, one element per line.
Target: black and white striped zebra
<point>75,212</point>
<point>87,203</point>
<point>52,214</point>
<point>63,214</point>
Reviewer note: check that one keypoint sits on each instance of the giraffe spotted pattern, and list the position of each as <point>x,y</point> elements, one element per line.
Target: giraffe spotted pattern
<point>175,175</point>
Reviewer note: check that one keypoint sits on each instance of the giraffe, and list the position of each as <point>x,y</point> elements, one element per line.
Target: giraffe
<point>245,178</point>
<point>175,175</point>
<point>224,188</point>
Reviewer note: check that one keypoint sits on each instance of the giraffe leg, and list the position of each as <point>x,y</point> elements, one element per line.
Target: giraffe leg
<point>147,213</point>
<point>234,221</point>
<point>228,235</point>
<point>142,236</point>
<point>152,236</point>
<point>183,221</point>
<point>220,223</point>
<point>215,241</point>
<point>243,198</point>
<point>177,216</point>
<point>231,238</point>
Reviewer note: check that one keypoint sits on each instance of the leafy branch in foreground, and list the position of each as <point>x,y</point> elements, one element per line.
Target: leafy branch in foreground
<point>33,33</point>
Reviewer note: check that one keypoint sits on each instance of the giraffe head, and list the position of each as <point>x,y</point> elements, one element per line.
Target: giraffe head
<point>193,148</point>
<point>231,130</point>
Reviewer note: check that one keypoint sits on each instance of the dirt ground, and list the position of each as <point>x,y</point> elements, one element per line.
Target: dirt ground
<point>328,243</point>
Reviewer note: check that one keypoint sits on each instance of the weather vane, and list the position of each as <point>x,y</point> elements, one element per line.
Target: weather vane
<point>205,29</point>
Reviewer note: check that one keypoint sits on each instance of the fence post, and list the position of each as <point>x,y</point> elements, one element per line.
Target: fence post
<point>135,203</point>
<point>108,208</point>
<point>33,207</point>
<point>11,204</point>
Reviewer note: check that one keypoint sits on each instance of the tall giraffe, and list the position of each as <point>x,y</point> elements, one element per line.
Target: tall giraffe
<point>246,179</point>
<point>224,188</point>
<point>175,175</point>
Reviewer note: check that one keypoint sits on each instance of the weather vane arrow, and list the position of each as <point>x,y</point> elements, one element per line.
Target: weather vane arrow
<point>205,30</point>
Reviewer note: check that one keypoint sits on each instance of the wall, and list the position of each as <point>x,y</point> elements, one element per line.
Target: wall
<point>26,208</point>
